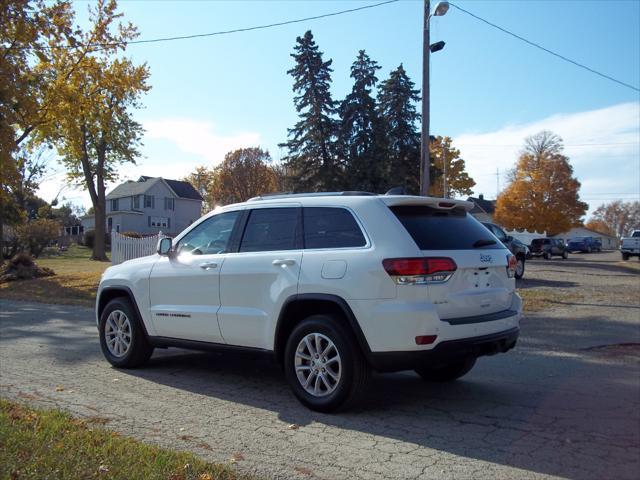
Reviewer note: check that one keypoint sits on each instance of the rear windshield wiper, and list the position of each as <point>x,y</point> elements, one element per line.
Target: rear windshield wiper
<point>483,242</point>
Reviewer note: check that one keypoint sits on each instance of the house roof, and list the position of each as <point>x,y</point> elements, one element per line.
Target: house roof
<point>131,187</point>
<point>481,205</point>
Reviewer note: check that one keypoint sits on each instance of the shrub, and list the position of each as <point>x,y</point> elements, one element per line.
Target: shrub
<point>90,237</point>
<point>36,235</point>
<point>132,234</point>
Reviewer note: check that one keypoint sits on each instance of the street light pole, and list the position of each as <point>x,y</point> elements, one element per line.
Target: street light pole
<point>424,138</point>
<point>440,9</point>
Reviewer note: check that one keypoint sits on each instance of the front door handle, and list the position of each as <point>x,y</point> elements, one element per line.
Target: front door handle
<point>281,262</point>
<point>208,265</point>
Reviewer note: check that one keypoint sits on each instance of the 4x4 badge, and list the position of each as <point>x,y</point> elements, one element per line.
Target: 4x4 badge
<point>485,258</point>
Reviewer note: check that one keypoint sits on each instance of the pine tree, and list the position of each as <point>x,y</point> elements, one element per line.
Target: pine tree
<point>396,98</point>
<point>311,158</point>
<point>360,133</point>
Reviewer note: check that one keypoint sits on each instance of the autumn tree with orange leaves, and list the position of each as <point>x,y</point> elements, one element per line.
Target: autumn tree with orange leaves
<point>542,194</point>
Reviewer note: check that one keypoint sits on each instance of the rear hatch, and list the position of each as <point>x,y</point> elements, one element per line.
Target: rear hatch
<point>480,284</point>
<point>537,245</point>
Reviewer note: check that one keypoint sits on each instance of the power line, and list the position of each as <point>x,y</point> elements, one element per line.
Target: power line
<point>223,32</point>
<point>564,145</point>
<point>536,45</point>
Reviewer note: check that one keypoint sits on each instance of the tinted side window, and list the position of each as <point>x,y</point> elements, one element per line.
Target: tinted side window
<point>270,229</point>
<point>326,227</point>
<point>210,237</point>
<point>434,229</point>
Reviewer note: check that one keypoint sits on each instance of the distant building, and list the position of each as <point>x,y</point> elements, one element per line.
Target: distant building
<point>150,205</point>
<point>482,209</point>
<point>608,242</point>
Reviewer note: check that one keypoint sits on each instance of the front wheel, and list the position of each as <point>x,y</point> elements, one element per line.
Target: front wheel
<point>447,373</point>
<point>625,256</point>
<point>324,365</point>
<point>547,256</point>
<point>519,267</point>
<point>565,255</point>
<point>122,337</point>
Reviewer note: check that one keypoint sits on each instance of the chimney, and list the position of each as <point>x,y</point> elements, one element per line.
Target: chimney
<point>481,197</point>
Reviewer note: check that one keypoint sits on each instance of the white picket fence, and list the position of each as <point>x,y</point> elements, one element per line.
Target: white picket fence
<point>526,236</point>
<point>125,248</point>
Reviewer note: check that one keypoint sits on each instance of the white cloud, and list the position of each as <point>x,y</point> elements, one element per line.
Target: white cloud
<point>603,145</point>
<point>199,138</point>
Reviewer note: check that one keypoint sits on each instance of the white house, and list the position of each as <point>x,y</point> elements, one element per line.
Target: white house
<point>150,205</point>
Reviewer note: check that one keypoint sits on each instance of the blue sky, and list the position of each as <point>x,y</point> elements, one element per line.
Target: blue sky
<point>488,90</point>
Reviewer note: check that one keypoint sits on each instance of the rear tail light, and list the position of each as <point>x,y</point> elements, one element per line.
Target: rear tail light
<point>512,263</point>
<point>416,271</point>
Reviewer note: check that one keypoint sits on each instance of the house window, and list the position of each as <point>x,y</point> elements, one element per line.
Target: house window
<point>136,201</point>
<point>162,222</point>
<point>169,203</point>
<point>149,201</point>
<point>109,224</point>
<point>114,205</point>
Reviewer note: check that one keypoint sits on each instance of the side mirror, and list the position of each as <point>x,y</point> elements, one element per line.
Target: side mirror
<point>164,246</point>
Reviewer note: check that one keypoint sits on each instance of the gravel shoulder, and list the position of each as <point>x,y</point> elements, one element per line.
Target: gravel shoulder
<point>565,403</point>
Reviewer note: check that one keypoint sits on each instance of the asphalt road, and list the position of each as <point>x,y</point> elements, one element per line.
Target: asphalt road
<point>564,403</point>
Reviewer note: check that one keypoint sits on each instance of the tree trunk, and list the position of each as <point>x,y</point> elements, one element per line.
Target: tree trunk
<point>99,247</point>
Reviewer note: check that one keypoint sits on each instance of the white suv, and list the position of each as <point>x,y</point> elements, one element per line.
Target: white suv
<point>333,285</point>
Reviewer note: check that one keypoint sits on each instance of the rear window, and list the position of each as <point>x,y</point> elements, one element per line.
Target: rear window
<point>434,229</point>
<point>326,227</point>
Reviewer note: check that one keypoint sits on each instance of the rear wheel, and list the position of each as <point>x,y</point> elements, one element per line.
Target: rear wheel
<point>324,365</point>
<point>122,337</point>
<point>565,255</point>
<point>519,267</point>
<point>625,256</point>
<point>547,255</point>
<point>447,373</point>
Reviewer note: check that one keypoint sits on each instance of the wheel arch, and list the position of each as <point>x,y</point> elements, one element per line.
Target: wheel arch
<point>297,307</point>
<point>112,292</point>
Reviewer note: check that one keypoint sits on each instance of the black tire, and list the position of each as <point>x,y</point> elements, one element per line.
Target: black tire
<point>520,259</point>
<point>565,255</point>
<point>625,256</point>
<point>354,369</point>
<point>547,256</point>
<point>139,350</point>
<point>447,373</point>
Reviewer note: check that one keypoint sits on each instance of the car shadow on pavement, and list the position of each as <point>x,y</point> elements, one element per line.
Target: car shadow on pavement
<point>538,408</point>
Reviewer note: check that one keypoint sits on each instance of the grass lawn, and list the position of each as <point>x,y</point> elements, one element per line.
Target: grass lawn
<point>75,282</point>
<point>38,444</point>
<point>537,299</point>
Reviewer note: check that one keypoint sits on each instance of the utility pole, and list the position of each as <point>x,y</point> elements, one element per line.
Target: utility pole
<point>424,140</point>
<point>444,171</point>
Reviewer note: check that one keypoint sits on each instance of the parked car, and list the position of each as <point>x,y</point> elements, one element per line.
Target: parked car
<point>331,285</point>
<point>584,244</point>
<point>549,247</point>
<point>515,246</point>
<point>630,246</point>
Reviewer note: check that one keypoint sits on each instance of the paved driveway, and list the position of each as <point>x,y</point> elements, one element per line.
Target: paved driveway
<point>564,403</point>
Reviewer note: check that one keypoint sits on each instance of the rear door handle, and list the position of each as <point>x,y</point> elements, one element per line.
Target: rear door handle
<point>281,262</point>
<point>208,265</point>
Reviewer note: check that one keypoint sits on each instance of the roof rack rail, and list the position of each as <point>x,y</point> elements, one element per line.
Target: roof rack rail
<point>267,196</point>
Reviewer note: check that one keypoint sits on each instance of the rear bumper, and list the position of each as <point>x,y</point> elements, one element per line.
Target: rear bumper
<point>446,351</point>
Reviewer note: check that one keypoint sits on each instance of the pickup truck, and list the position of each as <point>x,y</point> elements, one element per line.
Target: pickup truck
<point>630,246</point>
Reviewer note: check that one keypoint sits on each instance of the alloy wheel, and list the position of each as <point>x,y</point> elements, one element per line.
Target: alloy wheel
<point>318,364</point>
<point>117,333</point>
